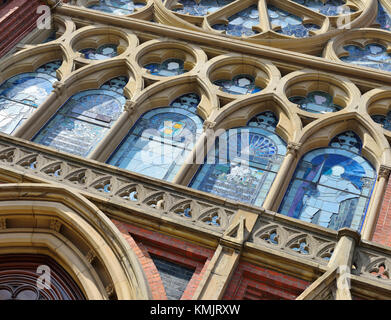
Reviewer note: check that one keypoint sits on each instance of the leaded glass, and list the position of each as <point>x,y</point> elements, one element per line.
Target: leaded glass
<point>159,142</point>
<point>384,120</point>
<point>241,23</point>
<point>328,7</point>
<point>169,68</point>
<point>244,162</point>
<point>201,8</point>
<point>118,7</point>
<point>331,186</point>
<point>289,23</point>
<point>383,17</point>
<point>372,55</point>
<point>84,119</point>
<point>240,84</point>
<point>23,93</point>
<point>106,51</point>
<point>316,102</point>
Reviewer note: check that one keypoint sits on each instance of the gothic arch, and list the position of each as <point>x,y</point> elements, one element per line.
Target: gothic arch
<point>51,220</point>
<point>319,133</point>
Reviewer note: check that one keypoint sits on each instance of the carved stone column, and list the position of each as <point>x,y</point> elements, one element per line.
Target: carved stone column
<point>282,176</point>
<point>376,202</point>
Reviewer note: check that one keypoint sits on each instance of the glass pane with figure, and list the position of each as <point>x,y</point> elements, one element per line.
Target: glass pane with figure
<point>244,162</point>
<point>201,7</point>
<point>331,186</point>
<point>159,142</point>
<point>84,119</point>
<point>384,120</point>
<point>23,93</point>
<point>327,7</point>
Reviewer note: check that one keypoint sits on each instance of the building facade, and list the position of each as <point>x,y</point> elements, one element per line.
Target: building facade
<point>185,149</point>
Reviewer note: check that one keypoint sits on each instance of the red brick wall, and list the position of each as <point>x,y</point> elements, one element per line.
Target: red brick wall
<point>382,232</point>
<point>251,282</point>
<point>17,19</point>
<point>146,242</point>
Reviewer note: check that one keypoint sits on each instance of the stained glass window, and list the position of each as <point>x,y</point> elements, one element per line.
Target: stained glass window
<point>244,162</point>
<point>372,55</point>
<point>240,84</point>
<point>118,7</point>
<point>328,7</point>
<point>159,142</point>
<point>23,93</point>
<point>384,120</point>
<point>201,8</point>
<point>290,24</point>
<point>84,119</point>
<point>383,17</point>
<point>241,23</point>
<point>169,68</point>
<point>103,52</point>
<point>331,186</point>
<point>316,102</point>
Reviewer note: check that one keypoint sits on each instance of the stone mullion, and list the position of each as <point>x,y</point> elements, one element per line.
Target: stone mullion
<point>115,135</point>
<point>197,156</point>
<point>376,202</point>
<point>43,113</point>
<point>284,175</point>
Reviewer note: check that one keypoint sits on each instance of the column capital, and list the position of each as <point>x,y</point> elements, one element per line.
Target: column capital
<point>384,172</point>
<point>293,148</point>
<point>208,125</point>
<point>351,233</point>
<point>58,87</point>
<point>130,106</point>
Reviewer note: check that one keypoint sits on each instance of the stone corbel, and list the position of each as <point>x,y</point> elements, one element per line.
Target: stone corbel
<point>208,125</point>
<point>55,225</point>
<point>3,223</point>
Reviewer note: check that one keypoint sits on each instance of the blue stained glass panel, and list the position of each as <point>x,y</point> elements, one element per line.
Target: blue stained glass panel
<point>106,51</point>
<point>240,84</point>
<point>384,120</point>
<point>372,55</point>
<point>117,7</point>
<point>169,68</point>
<point>244,162</point>
<point>331,186</point>
<point>328,7</point>
<point>201,8</point>
<point>241,23</point>
<point>159,142</point>
<point>383,17</point>
<point>23,93</point>
<point>290,24</point>
<point>316,102</point>
<point>84,119</point>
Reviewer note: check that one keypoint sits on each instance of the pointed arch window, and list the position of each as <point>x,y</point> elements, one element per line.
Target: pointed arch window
<point>244,162</point>
<point>84,119</point>
<point>23,93</point>
<point>332,186</point>
<point>159,142</point>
